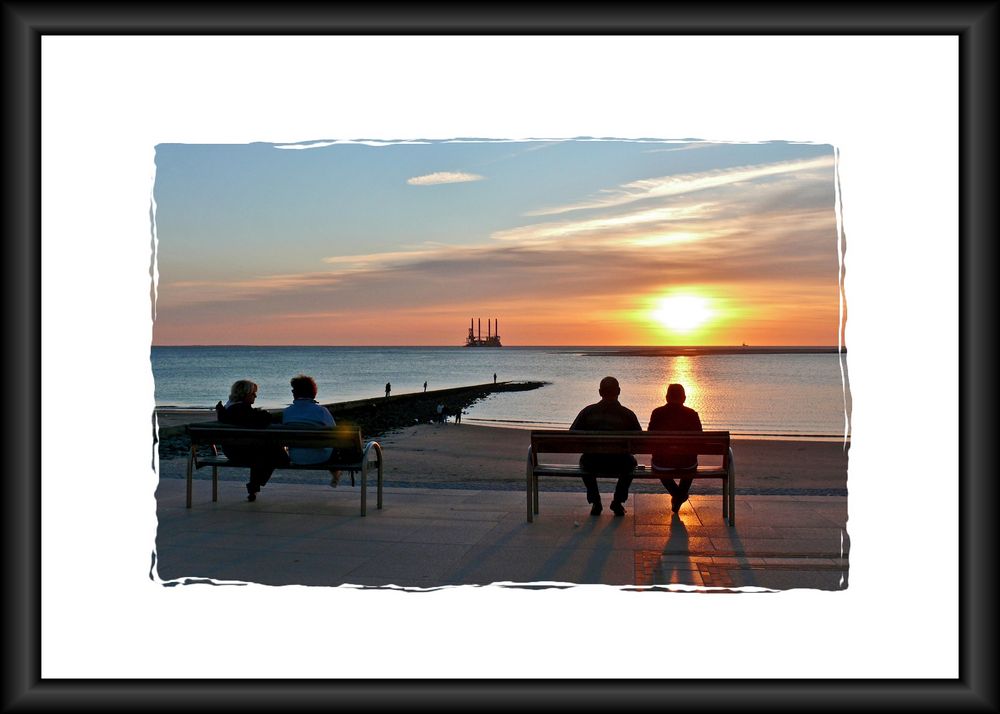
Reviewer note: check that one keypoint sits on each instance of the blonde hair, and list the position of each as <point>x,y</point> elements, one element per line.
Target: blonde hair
<point>241,389</point>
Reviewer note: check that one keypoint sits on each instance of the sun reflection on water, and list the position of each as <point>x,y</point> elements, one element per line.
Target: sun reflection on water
<point>683,370</point>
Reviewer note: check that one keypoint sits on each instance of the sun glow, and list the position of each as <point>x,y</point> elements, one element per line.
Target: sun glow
<point>683,313</point>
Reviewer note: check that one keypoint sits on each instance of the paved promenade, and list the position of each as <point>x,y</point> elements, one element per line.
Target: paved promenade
<point>311,534</point>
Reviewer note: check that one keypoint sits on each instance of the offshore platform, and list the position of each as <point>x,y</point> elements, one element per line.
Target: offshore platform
<point>492,338</point>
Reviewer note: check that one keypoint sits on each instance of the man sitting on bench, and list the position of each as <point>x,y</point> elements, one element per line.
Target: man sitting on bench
<point>674,416</point>
<point>607,415</point>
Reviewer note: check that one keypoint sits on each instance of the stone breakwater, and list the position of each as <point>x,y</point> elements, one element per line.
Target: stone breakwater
<point>374,416</point>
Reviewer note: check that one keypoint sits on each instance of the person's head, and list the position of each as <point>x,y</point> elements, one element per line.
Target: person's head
<point>609,388</point>
<point>303,387</point>
<point>675,394</point>
<point>243,390</point>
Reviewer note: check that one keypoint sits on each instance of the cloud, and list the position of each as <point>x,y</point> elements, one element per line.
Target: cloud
<point>638,224</point>
<point>360,142</point>
<point>759,233</point>
<point>666,186</point>
<point>443,177</point>
<point>685,147</point>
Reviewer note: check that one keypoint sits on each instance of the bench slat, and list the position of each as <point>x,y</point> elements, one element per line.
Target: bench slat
<point>610,442</point>
<point>571,470</point>
<point>344,438</point>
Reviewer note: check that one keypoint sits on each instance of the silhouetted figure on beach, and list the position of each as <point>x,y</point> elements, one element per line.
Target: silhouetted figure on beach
<point>494,378</point>
<point>607,415</point>
<point>674,416</point>
<point>239,411</point>
<point>387,388</point>
<point>305,411</point>
<point>425,386</point>
<point>440,412</point>
<point>458,416</point>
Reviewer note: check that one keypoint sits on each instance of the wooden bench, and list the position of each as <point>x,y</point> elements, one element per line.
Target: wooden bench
<point>350,453</point>
<point>708,443</point>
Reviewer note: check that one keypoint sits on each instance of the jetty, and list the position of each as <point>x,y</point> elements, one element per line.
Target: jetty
<point>373,415</point>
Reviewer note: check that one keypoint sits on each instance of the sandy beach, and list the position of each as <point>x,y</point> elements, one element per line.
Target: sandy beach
<point>439,454</point>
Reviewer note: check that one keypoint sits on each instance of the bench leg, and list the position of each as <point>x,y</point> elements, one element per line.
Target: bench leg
<point>534,490</point>
<point>364,488</point>
<point>725,498</point>
<point>215,483</point>
<point>379,452</point>
<point>190,473</point>
<point>732,489</point>
<point>732,498</point>
<point>529,493</point>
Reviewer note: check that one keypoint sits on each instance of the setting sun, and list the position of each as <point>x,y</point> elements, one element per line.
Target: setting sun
<point>683,313</point>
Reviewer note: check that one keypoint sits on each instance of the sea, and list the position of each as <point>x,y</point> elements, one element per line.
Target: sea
<point>752,395</point>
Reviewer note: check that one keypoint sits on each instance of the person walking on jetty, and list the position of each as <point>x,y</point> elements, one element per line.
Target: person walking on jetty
<point>387,388</point>
<point>674,416</point>
<point>425,386</point>
<point>494,378</point>
<point>240,411</point>
<point>305,411</point>
<point>607,415</point>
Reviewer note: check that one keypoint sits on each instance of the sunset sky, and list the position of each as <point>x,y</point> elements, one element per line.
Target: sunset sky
<point>565,242</point>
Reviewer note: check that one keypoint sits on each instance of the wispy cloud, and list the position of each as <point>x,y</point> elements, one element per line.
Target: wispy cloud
<point>639,224</point>
<point>360,142</point>
<point>665,186</point>
<point>443,177</point>
<point>684,147</point>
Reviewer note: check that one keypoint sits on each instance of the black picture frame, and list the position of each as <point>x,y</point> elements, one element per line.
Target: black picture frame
<point>975,24</point>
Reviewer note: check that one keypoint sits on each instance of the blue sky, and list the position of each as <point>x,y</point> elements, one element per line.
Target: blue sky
<point>565,241</point>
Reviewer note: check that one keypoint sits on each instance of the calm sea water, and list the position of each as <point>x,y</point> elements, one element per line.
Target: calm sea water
<point>769,395</point>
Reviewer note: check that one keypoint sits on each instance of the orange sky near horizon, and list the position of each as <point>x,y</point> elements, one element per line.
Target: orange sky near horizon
<point>630,320</point>
<point>565,243</point>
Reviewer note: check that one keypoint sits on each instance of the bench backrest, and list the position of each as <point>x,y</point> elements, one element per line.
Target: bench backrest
<point>629,442</point>
<point>345,438</point>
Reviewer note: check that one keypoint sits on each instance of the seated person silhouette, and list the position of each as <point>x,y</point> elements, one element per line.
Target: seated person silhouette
<point>674,416</point>
<point>240,411</point>
<point>304,411</point>
<point>607,415</point>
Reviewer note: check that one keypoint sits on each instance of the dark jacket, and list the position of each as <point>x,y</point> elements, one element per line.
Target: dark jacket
<point>242,414</point>
<point>606,416</point>
<point>675,417</point>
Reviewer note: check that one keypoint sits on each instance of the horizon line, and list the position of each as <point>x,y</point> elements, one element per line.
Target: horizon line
<point>568,346</point>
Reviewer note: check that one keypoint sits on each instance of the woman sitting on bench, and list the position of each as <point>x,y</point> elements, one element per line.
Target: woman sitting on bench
<point>240,411</point>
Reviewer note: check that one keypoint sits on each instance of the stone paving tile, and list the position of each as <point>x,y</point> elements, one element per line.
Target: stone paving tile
<point>445,531</point>
<point>432,537</point>
<point>413,560</point>
<point>779,546</point>
<point>527,565</point>
<point>265,567</point>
